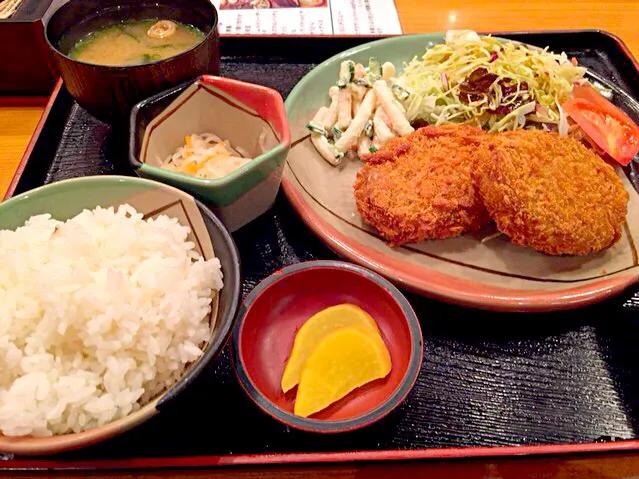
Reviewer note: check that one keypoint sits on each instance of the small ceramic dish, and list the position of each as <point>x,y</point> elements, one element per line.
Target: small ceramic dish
<point>275,310</point>
<point>251,117</point>
<point>68,198</point>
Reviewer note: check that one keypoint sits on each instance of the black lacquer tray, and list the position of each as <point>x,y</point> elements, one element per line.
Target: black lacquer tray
<point>490,384</point>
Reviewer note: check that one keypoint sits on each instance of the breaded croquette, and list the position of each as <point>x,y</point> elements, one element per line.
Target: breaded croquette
<point>420,187</point>
<point>551,193</point>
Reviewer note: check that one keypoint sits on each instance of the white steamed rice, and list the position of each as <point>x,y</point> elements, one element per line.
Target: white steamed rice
<point>98,315</point>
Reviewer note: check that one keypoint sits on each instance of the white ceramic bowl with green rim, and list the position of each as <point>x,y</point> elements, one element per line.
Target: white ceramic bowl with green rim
<point>66,199</point>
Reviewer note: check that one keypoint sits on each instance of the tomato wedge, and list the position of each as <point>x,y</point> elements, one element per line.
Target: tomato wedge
<point>607,126</point>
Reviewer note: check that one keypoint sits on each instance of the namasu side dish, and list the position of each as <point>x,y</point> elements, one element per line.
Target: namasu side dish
<point>206,156</point>
<point>8,8</point>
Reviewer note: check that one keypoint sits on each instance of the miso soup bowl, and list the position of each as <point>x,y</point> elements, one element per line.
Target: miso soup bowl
<point>251,117</point>
<point>109,92</point>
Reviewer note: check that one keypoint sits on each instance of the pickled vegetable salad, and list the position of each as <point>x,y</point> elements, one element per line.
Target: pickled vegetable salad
<point>493,84</point>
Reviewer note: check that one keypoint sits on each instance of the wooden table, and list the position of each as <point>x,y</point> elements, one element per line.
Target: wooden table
<point>17,123</point>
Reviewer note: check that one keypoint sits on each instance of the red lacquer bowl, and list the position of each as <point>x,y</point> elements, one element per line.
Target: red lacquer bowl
<point>276,309</point>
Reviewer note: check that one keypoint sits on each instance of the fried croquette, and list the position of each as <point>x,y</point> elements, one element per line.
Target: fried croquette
<point>551,193</point>
<point>420,186</point>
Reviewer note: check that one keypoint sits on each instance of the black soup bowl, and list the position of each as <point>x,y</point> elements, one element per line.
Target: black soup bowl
<point>109,92</point>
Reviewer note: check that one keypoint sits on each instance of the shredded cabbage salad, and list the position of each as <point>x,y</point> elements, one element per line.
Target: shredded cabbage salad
<point>490,83</point>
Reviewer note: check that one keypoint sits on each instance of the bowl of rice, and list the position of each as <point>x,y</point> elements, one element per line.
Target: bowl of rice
<point>224,141</point>
<point>115,294</point>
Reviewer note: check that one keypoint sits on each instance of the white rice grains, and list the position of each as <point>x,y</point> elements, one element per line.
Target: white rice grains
<point>98,315</point>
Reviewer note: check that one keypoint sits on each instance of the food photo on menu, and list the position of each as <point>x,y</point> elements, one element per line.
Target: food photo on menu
<point>362,247</point>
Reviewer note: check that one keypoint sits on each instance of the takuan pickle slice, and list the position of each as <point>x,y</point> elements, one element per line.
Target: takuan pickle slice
<point>316,328</point>
<point>345,360</point>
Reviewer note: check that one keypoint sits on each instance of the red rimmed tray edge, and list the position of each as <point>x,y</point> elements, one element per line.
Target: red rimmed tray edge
<point>467,452</point>
<point>317,458</point>
<point>34,137</point>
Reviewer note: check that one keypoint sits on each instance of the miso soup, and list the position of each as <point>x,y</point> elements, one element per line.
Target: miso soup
<point>136,42</point>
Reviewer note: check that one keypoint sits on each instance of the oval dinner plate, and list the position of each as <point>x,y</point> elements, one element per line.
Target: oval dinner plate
<point>490,275</point>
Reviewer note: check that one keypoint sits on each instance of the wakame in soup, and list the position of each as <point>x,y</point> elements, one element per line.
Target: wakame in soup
<point>136,42</point>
